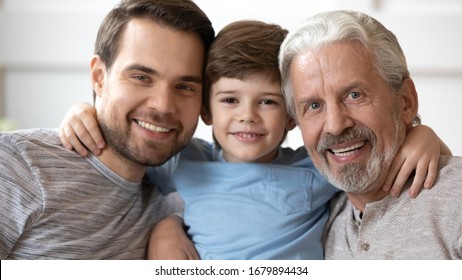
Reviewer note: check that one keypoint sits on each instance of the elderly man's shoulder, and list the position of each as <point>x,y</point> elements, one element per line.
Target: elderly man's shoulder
<point>450,170</point>
<point>447,188</point>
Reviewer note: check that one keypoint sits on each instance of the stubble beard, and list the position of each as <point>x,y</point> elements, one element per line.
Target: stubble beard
<point>149,153</point>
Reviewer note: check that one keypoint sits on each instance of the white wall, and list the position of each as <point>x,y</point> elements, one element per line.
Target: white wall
<point>45,47</point>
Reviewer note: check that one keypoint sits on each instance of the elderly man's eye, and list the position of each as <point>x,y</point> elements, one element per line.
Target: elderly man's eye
<point>314,106</point>
<point>354,95</point>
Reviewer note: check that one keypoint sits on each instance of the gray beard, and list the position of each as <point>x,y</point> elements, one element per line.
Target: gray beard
<point>360,177</point>
<point>355,177</point>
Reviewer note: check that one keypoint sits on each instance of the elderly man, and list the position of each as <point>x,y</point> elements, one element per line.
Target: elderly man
<point>147,79</point>
<point>346,81</point>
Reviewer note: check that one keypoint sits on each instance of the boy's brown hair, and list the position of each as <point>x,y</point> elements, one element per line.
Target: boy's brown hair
<point>240,49</point>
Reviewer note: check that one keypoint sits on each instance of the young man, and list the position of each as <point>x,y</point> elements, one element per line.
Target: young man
<point>147,80</point>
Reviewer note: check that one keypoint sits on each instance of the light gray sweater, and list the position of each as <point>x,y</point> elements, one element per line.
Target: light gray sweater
<point>56,205</point>
<point>426,227</point>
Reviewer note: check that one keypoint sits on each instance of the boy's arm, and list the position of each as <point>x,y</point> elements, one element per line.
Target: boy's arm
<point>444,148</point>
<point>420,154</point>
<point>169,241</point>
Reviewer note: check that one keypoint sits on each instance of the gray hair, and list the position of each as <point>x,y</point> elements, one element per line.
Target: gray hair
<point>332,27</point>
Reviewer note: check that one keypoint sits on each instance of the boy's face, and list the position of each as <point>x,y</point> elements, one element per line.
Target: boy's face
<point>249,118</point>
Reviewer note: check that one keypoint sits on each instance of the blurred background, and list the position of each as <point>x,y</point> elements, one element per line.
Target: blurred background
<point>46,45</point>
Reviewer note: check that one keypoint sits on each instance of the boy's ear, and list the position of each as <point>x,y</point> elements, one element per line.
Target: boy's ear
<point>410,100</point>
<point>98,74</point>
<point>205,116</point>
<point>291,124</point>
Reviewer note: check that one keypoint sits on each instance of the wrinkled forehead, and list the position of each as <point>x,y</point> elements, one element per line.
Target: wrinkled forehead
<point>335,64</point>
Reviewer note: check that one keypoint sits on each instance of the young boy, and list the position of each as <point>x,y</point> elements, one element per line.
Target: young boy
<point>245,196</point>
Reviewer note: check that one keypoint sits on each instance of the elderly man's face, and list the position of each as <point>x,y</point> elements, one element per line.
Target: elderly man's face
<point>348,115</point>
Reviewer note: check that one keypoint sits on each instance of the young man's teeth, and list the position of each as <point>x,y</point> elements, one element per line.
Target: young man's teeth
<point>348,150</point>
<point>152,127</point>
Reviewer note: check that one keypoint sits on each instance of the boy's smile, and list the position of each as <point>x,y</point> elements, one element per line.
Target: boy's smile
<point>249,118</point>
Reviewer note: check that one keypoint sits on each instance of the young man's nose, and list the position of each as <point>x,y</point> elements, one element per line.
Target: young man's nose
<point>162,99</point>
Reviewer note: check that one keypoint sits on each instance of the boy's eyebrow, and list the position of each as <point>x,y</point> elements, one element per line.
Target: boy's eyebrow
<point>151,71</point>
<point>277,94</point>
<point>225,92</point>
<point>263,92</point>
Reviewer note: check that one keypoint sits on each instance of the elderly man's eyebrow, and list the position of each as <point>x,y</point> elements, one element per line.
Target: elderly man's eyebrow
<point>350,87</point>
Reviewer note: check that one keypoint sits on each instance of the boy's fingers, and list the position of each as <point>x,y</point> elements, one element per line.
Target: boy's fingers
<point>431,174</point>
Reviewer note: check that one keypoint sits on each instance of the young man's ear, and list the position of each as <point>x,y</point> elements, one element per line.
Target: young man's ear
<point>206,116</point>
<point>410,100</point>
<point>98,74</point>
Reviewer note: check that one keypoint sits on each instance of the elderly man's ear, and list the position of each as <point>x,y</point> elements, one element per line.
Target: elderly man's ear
<point>410,100</point>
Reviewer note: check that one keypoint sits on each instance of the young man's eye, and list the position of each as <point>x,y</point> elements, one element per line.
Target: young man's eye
<point>140,78</point>
<point>185,87</point>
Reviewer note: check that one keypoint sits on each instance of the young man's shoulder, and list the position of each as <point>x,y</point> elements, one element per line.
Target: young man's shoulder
<point>199,150</point>
<point>36,145</point>
<point>36,135</point>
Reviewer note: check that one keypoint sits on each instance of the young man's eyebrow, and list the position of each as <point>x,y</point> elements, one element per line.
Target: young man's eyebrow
<point>151,71</point>
<point>193,79</point>
<point>139,67</point>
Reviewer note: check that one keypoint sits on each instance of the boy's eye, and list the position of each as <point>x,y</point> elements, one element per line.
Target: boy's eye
<point>229,100</point>
<point>267,102</point>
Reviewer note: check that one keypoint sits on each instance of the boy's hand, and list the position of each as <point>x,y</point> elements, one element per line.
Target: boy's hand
<point>420,153</point>
<point>169,241</point>
<point>79,130</point>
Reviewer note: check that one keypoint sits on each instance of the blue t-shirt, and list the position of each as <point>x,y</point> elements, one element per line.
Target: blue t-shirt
<point>249,210</point>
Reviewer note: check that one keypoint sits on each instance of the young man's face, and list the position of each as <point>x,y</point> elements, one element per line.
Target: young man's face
<point>351,122</point>
<point>149,102</point>
<point>249,118</point>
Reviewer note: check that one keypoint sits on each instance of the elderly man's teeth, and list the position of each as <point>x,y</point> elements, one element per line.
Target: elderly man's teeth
<point>348,150</point>
<point>152,127</point>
